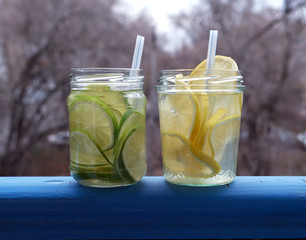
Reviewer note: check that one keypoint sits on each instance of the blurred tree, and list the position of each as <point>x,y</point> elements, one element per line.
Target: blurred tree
<point>268,47</point>
<point>40,42</point>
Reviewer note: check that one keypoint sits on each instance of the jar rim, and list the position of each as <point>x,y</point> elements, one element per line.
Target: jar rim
<point>198,70</point>
<point>214,80</point>
<point>105,75</point>
<point>106,70</point>
<point>201,88</point>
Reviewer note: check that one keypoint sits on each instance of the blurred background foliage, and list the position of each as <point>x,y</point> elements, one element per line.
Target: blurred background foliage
<point>41,40</point>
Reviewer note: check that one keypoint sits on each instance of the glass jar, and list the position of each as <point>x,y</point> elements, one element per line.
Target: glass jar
<point>107,126</point>
<point>200,116</point>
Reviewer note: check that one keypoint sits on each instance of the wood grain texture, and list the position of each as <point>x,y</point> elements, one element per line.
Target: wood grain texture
<point>59,208</point>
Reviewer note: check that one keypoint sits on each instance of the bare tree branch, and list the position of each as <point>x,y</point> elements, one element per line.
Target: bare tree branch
<point>270,25</point>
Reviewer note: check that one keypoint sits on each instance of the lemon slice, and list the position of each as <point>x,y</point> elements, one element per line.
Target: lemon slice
<point>222,134</point>
<point>224,69</point>
<point>90,114</point>
<point>183,118</point>
<point>174,114</point>
<point>196,112</point>
<point>200,156</point>
<point>178,160</point>
<point>85,151</point>
<point>208,125</point>
<point>193,121</point>
<point>221,63</point>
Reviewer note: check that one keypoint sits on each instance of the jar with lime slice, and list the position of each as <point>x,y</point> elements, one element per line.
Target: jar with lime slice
<point>107,126</point>
<point>200,113</point>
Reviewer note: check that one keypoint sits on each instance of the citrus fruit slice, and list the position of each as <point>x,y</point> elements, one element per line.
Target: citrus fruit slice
<point>221,63</point>
<point>225,132</point>
<point>85,151</point>
<point>189,143</point>
<point>224,72</point>
<point>90,114</point>
<point>130,154</point>
<point>200,156</point>
<point>112,98</point>
<point>179,112</point>
<point>86,165</point>
<point>134,155</point>
<point>129,120</point>
<point>178,160</point>
<point>117,114</point>
<point>207,125</point>
<point>225,69</point>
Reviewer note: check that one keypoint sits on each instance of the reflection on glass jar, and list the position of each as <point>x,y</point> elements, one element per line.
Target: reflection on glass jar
<point>200,124</point>
<point>107,127</point>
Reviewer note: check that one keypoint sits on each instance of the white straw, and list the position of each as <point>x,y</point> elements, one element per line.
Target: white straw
<point>138,52</point>
<point>212,46</point>
<point>211,53</point>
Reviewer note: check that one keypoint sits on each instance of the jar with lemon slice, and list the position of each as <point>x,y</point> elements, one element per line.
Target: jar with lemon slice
<point>200,112</point>
<point>107,126</point>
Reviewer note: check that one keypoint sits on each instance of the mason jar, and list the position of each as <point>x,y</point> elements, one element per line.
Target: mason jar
<point>107,126</point>
<point>200,116</point>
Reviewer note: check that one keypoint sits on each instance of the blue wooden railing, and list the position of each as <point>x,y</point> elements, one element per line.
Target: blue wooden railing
<point>59,208</point>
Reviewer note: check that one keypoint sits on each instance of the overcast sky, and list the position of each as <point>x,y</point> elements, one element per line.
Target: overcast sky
<point>160,10</point>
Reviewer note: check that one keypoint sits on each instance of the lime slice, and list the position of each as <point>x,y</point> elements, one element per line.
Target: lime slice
<point>90,114</point>
<point>130,154</point>
<point>82,165</point>
<point>129,120</point>
<point>134,155</point>
<point>117,113</point>
<point>113,99</point>
<point>129,150</point>
<point>85,151</point>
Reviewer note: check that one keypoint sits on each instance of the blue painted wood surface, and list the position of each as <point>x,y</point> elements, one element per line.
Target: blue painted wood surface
<point>59,208</point>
